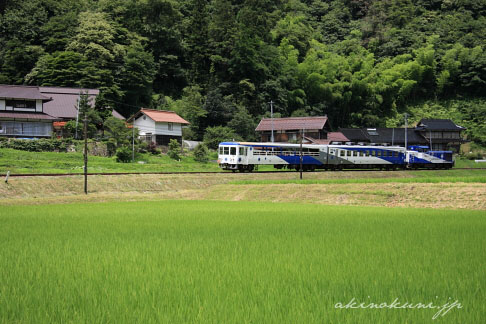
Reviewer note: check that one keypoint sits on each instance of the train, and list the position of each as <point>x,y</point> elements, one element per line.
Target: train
<point>247,156</point>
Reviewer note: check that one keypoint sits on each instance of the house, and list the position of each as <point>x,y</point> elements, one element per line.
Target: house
<point>158,126</point>
<point>438,134</point>
<point>23,113</point>
<point>383,136</point>
<point>441,134</point>
<point>64,103</point>
<point>289,129</point>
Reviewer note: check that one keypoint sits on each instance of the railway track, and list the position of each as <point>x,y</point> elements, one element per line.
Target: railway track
<point>186,172</point>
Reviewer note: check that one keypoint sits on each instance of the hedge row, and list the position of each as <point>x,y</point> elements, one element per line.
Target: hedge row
<point>41,145</point>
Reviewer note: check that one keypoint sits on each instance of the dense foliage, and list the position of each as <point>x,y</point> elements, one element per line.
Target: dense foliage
<point>219,62</point>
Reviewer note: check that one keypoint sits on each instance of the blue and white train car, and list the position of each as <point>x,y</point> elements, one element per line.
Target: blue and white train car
<point>245,156</point>
<point>419,157</point>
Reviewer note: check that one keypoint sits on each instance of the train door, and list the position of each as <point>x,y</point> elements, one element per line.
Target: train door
<point>243,155</point>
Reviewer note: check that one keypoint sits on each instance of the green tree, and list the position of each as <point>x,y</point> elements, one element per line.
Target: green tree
<point>243,124</point>
<point>174,150</point>
<point>118,134</point>
<point>201,153</point>
<point>218,134</point>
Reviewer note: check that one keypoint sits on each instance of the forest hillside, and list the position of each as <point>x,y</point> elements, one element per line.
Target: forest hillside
<point>220,62</point>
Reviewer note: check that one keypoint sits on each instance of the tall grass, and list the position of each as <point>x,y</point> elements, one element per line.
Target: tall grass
<point>220,262</point>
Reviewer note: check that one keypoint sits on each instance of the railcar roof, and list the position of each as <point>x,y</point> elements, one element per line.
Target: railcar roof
<point>267,144</point>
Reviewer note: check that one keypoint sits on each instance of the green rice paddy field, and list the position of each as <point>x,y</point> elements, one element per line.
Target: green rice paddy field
<point>238,262</point>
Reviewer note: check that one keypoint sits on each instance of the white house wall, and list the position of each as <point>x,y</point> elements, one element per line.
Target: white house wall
<point>163,129</point>
<point>38,105</point>
<point>145,126</point>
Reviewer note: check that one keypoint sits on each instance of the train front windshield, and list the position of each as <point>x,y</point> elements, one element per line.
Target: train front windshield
<point>227,150</point>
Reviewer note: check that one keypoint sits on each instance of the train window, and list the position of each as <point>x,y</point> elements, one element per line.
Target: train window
<point>226,150</point>
<point>220,150</point>
<point>378,153</point>
<point>246,151</point>
<point>232,150</point>
<point>355,153</point>
<point>349,153</point>
<point>395,154</point>
<point>242,151</point>
<point>342,152</point>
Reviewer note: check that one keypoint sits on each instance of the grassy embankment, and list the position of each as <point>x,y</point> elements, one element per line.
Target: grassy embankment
<point>223,262</point>
<point>48,162</point>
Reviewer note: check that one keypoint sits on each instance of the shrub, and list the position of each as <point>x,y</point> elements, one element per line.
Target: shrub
<point>174,150</point>
<point>152,148</point>
<point>124,154</point>
<point>201,153</point>
<point>474,156</point>
<point>41,145</point>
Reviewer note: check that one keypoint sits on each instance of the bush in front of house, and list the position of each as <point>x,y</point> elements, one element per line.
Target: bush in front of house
<point>473,156</point>
<point>174,150</point>
<point>123,154</point>
<point>41,145</point>
<point>201,153</point>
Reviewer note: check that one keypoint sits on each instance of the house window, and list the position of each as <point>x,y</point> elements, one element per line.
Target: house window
<point>170,126</point>
<point>144,118</point>
<point>25,128</point>
<point>21,104</point>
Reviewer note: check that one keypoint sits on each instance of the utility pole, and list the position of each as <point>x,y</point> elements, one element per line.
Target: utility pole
<point>271,116</point>
<point>85,155</point>
<point>77,116</point>
<point>133,142</point>
<point>406,130</point>
<point>301,155</point>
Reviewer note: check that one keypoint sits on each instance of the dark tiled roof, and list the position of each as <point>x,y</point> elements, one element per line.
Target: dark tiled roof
<point>22,92</point>
<point>291,123</point>
<point>397,136</point>
<point>439,124</point>
<point>354,134</point>
<point>65,100</point>
<point>23,115</point>
<point>383,135</point>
